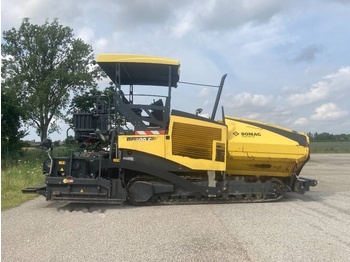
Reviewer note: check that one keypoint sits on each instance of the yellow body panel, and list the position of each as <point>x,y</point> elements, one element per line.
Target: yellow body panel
<point>256,148</point>
<point>132,58</point>
<point>192,143</point>
<point>195,143</point>
<point>241,147</point>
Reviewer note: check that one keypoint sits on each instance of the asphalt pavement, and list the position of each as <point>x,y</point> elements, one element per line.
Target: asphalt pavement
<point>310,227</point>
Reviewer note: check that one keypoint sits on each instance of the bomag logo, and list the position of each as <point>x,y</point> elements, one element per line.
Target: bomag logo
<point>140,138</point>
<point>250,134</point>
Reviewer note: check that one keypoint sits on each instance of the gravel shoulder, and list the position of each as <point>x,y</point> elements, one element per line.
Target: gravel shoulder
<point>310,227</point>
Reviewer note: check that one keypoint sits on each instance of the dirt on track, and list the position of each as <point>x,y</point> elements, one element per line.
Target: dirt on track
<point>310,227</point>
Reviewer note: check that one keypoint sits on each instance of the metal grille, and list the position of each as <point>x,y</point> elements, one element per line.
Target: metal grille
<point>194,141</point>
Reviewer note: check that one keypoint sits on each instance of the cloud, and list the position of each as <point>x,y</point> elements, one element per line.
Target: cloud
<point>183,25</point>
<point>87,34</point>
<point>141,13</point>
<point>333,86</point>
<point>260,38</point>
<point>256,116</point>
<point>38,11</point>
<point>228,14</point>
<point>308,54</point>
<point>302,121</point>
<point>289,89</point>
<point>314,94</point>
<point>248,100</point>
<point>342,72</point>
<point>329,111</point>
<point>339,83</point>
<point>249,40</point>
<point>204,92</point>
<point>344,2</point>
<point>101,45</point>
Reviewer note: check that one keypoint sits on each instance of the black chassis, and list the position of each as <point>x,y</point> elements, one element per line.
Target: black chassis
<point>104,180</point>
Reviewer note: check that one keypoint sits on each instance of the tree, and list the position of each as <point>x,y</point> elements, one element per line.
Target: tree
<point>310,135</point>
<point>87,100</point>
<point>11,116</point>
<point>44,65</point>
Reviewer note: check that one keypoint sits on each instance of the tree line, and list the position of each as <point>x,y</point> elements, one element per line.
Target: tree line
<point>327,137</point>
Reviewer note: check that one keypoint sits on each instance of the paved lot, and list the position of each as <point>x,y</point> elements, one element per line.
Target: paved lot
<point>310,227</point>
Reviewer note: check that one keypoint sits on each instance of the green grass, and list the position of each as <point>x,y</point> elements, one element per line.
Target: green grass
<point>21,172</point>
<point>18,173</point>
<point>330,147</point>
<point>15,178</point>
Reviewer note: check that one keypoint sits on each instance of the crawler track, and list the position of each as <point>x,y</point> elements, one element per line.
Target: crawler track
<point>207,200</point>
<point>272,191</point>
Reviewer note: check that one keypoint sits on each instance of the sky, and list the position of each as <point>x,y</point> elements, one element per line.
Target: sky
<point>287,62</point>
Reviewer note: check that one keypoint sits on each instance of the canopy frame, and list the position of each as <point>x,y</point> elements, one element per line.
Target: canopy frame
<point>132,70</point>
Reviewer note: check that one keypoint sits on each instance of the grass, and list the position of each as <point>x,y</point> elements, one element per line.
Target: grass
<point>21,172</point>
<point>330,147</point>
<point>15,178</point>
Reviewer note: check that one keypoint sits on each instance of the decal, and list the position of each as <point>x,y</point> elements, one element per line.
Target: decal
<point>62,163</point>
<point>150,132</point>
<point>250,134</point>
<point>140,138</point>
<point>68,180</point>
<point>129,158</point>
<point>247,134</point>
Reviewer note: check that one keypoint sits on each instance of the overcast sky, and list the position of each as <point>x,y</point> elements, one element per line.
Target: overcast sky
<point>288,62</point>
